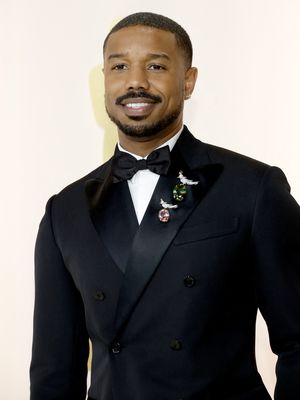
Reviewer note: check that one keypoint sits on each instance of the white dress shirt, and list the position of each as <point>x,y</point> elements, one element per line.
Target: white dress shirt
<point>142,184</point>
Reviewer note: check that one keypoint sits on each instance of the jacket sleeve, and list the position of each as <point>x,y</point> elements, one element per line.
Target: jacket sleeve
<point>276,244</point>
<point>58,368</point>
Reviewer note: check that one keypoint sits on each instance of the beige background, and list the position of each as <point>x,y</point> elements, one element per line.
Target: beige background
<point>52,132</point>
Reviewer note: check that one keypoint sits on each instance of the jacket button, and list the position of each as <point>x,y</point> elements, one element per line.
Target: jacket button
<point>116,348</point>
<point>175,344</point>
<point>100,296</point>
<point>189,281</point>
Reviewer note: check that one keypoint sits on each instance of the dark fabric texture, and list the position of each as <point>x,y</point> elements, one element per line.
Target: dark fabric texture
<point>170,308</point>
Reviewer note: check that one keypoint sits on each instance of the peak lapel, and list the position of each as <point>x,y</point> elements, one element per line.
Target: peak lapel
<point>113,216</point>
<point>153,237</point>
<point>97,188</point>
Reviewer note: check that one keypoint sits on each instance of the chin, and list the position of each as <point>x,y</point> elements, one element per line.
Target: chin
<point>138,127</point>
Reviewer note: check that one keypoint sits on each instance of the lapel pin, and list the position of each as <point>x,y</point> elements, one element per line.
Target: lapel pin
<point>180,190</point>
<point>185,181</point>
<point>164,213</point>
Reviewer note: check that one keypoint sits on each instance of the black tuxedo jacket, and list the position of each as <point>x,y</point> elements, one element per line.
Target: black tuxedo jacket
<point>170,308</point>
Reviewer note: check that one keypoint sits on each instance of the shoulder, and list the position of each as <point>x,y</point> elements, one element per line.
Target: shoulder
<point>231,160</point>
<point>234,159</point>
<point>246,171</point>
<point>71,200</point>
<point>79,184</point>
<point>240,173</point>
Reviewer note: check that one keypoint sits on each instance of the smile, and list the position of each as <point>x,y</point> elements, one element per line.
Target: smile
<point>137,105</point>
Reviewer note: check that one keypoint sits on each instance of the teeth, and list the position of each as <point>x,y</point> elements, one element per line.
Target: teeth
<point>136,105</point>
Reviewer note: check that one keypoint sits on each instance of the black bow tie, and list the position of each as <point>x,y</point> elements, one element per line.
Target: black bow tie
<point>124,165</point>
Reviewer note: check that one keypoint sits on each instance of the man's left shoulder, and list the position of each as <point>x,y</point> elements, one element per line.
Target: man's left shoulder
<point>232,158</point>
<point>233,162</point>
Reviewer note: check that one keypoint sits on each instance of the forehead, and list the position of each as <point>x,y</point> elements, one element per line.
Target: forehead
<point>141,40</point>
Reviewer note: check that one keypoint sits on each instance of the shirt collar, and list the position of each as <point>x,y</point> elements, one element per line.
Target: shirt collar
<point>171,143</point>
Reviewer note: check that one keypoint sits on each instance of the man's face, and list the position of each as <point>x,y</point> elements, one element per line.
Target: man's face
<point>146,81</point>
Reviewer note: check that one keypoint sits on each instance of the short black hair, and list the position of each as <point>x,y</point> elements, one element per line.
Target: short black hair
<point>160,22</point>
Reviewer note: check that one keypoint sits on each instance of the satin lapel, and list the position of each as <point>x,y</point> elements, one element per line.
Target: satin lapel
<point>113,216</point>
<point>96,189</point>
<point>154,237</point>
<point>117,226</point>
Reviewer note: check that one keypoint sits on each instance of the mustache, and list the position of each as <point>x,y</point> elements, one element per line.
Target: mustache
<point>139,94</point>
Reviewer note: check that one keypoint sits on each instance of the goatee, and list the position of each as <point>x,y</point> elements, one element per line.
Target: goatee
<point>147,130</point>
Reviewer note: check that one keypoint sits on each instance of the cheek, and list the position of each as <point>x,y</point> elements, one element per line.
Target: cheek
<point>111,85</point>
<point>111,92</point>
<point>109,101</point>
<point>176,95</point>
<point>171,90</point>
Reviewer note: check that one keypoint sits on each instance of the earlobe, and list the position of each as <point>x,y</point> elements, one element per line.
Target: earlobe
<point>190,81</point>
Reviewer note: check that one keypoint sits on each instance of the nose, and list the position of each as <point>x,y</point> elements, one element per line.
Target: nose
<point>137,79</point>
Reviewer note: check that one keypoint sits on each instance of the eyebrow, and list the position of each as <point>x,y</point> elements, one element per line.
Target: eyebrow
<point>158,55</point>
<point>116,55</point>
<point>149,55</point>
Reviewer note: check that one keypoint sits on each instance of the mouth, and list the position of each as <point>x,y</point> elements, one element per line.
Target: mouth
<point>138,104</point>
<point>137,107</point>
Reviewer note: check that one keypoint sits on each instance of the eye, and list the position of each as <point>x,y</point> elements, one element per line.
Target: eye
<point>156,67</point>
<point>119,67</point>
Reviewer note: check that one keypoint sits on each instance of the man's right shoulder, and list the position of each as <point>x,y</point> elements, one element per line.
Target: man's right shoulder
<point>74,194</point>
<point>98,173</point>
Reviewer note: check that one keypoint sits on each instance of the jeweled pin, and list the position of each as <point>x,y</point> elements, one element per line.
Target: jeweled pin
<point>179,191</point>
<point>164,213</point>
<point>185,181</point>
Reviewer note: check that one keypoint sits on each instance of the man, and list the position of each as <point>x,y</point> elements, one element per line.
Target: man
<point>163,254</point>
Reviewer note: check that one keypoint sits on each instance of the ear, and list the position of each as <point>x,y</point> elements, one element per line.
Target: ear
<point>190,81</point>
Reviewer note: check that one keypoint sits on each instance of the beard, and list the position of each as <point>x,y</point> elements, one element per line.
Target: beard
<point>147,130</point>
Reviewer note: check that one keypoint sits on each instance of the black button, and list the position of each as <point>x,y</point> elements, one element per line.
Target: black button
<point>189,281</point>
<point>100,296</point>
<point>116,347</point>
<point>175,344</point>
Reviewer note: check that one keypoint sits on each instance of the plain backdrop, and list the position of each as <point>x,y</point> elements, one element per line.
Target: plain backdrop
<point>54,130</point>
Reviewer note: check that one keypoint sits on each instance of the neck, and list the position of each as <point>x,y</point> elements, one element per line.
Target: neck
<point>144,146</point>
